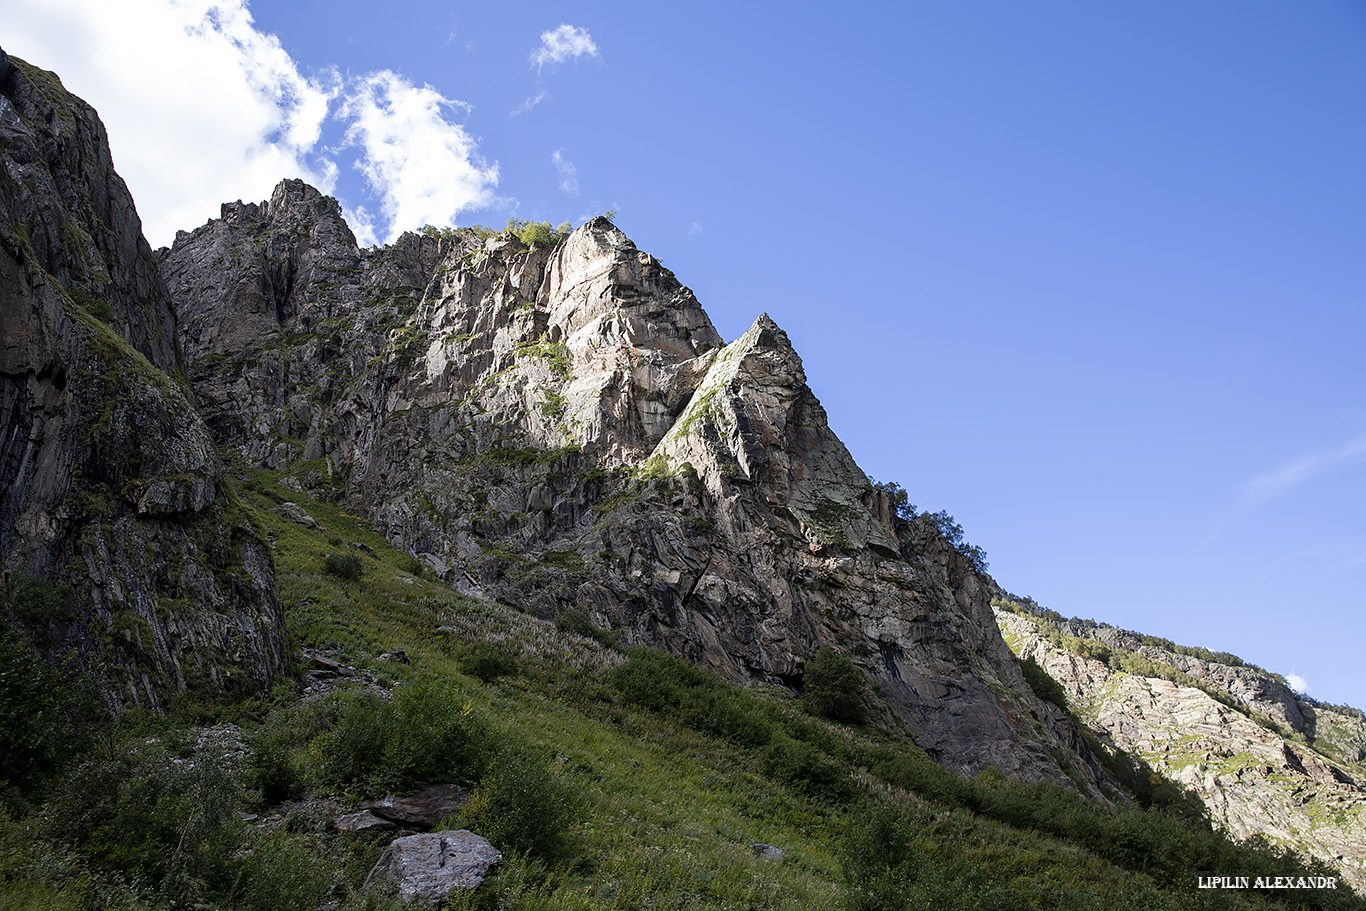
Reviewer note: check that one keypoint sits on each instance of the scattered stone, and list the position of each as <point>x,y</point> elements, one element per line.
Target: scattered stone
<point>360,822</point>
<point>295,513</point>
<point>768,852</point>
<point>319,666</point>
<point>362,546</point>
<point>397,656</point>
<point>431,867</point>
<point>421,810</point>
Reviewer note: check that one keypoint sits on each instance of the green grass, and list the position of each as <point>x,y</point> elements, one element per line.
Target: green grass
<point>665,774</point>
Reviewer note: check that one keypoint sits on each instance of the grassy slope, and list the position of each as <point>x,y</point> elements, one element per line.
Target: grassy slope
<point>666,815</point>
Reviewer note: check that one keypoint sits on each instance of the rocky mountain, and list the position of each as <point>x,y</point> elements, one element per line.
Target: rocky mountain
<point>1263,759</point>
<point>118,536</point>
<point>559,426</point>
<point>552,422</point>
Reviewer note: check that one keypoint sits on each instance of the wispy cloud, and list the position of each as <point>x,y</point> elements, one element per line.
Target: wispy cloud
<point>569,175</point>
<point>529,104</point>
<point>1294,473</point>
<point>234,114</point>
<point>562,43</point>
<point>694,229</point>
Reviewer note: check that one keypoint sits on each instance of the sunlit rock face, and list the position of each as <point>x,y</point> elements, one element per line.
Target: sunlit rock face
<point>117,533</point>
<point>560,426</point>
<point>1298,786</point>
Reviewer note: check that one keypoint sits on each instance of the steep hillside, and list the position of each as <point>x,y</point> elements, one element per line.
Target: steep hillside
<point>1263,760</point>
<point>617,780</point>
<point>551,426</point>
<point>116,535</point>
<point>559,426</point>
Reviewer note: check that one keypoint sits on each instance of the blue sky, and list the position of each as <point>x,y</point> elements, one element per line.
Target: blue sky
<point>1088,276</point>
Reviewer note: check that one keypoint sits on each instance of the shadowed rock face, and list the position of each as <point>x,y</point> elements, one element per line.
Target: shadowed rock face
<point>110,484</point>
<point>562,427</point>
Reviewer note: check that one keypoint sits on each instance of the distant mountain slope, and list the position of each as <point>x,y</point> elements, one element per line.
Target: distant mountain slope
<point>1263,760</point>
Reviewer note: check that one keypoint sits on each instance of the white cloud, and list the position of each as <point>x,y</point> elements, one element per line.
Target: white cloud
<point>1297,683</point>
<point>529,104</point>
<point>569,175</point>
<point>694,229</point>
<point>563,43</point>
<point>1277,481</point>
<point>424,168</point>
<point>202,108</point>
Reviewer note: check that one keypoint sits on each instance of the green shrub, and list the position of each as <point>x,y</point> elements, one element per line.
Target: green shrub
<point>425,734</point>
<point>520,806</point>
<point>659,681</point>
<point>489,662</point>
<point>804,768</point>
<point>343,566</point>
<point>277,871</point>
<point>164,820</point>
<point>729,714</point>
<point>832,687</point>
<point>575,621</point>
<point>877,862</point>
<point>350,750</point>
<point>97,307</point>
<point>47,716</point>
<point>435,737</point>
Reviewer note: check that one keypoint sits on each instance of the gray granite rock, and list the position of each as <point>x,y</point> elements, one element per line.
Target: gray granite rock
<point>563,427</point>
<point>433,866</point>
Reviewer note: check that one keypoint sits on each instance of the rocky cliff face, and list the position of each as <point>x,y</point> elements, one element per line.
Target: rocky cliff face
<point>1241,740</point>
<point>561,427</point>
<point>112,495</point>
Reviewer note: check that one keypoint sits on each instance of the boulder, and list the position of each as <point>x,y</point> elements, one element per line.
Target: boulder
<point>295,513</point>
<point>360,822</point>
<point>432,866</point>
<point>767,852</point>
<point>421,810</point>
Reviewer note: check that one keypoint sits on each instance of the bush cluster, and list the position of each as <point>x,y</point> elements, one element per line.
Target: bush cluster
<point>47,717</point>
<point>832,687</point>
<point>890,859</point>
<point>895,858</point>
<point>425,734</point>
<point>793,753</point>
<point>489,662</point>
<point>343,566</point>
<point>168,821</point>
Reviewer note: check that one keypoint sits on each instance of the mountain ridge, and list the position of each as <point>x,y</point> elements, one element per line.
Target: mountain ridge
<point>554,426</point>
<point>563,428</point>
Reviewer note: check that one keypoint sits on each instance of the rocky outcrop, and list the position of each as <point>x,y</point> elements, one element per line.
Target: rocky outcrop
<point>112,495</point>
<point>1252,780</point>
<point>562,427</point>
<point>432,867</point>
